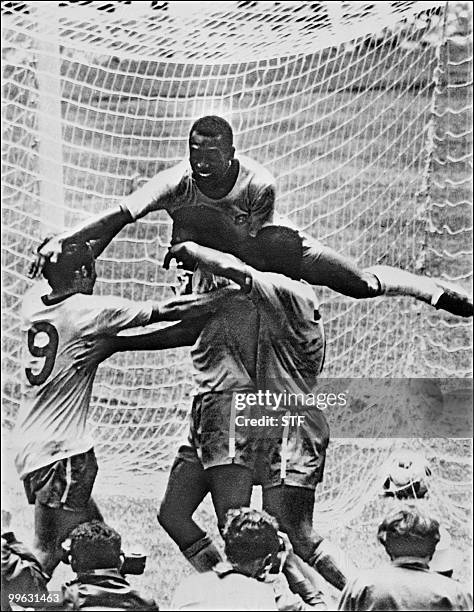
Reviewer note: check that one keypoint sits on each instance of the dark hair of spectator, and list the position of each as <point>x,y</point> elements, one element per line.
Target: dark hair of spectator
<point>95,545</point>
<point>408,532</point>
<point>249,535</point>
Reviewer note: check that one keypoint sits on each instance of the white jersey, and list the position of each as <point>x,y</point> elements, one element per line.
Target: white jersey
<point>175,188</point>
<point>51,423</point>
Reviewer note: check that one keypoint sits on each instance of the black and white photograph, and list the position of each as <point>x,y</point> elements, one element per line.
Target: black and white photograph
<point>237,305</point>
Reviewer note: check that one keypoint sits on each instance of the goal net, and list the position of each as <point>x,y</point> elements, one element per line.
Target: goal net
<point>361,110</point>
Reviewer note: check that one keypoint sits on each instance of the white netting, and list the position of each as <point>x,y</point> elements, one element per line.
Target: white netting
<point>361,110</point>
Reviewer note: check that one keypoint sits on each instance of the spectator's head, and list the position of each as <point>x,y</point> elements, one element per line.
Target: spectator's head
<point>409,533</point>
<point>74,270</point>
<point>94,545</point>
<point>251,541</point>
<point>211,149</point>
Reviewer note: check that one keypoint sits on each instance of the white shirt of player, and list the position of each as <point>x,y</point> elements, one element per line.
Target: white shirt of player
<point>51,423</point>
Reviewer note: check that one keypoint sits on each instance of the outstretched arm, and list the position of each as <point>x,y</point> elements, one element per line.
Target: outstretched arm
<point>191,306</point>
<point>220,264</point>
<point>102,228</point>
<point>99,230</point>
<point>184,333</point>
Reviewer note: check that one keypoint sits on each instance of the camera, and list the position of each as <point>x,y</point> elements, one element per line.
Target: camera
<point>132,563</point>
<point>279,558</point>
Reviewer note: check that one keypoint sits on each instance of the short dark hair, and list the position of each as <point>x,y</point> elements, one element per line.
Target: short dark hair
<point>95,545</point>
<point>409,532</point>
<point>281,248</point>
<point>213,127</point>
<point>249,535</point>
<point>73,257</point>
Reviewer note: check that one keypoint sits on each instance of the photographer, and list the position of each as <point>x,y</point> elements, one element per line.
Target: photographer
<point>23,579</point>
<point>250,578</point>
<point>95,556</point>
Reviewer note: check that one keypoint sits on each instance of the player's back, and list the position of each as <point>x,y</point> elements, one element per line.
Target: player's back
<point>224,355</point>
<point>51,423</point>
<point>291,342</point>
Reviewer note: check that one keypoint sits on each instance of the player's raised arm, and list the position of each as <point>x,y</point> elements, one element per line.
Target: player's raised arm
<point>99,231</point>
<point>102,228</point>
<point>220,264</point>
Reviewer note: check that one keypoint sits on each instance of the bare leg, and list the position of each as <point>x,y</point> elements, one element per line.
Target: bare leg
<point>230,487</point>
<point>53,525</point>
<point>293,507</point>
<point>187,487</point>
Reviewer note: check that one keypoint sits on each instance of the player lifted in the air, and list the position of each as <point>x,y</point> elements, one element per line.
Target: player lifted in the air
<point>55,456</point>
<point>214,179</point>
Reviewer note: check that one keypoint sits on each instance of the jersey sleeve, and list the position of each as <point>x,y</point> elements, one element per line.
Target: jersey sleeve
<point>157,194</point>
<point>283,299</point>
<point>262,199</point>
<point>109,314</point>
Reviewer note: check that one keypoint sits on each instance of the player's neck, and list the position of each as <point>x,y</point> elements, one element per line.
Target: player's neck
<point>221,188</point>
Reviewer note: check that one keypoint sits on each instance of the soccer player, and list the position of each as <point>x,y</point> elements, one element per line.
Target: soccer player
<point>288,338</point>
<point>272,331</point>
<point>214,180</point>
<point>410,539</point>
<point>55,456</point>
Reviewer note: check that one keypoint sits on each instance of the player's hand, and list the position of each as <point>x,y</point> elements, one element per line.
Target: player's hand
<point>185,253</point>
<point>49,249</point>
<point>95,352</point>
<point>283,552</point>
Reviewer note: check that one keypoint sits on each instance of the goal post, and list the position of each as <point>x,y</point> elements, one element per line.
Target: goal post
<point>362,112</point>
<point>49,138</point>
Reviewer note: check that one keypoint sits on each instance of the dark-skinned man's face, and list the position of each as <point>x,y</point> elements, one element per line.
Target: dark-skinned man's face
<point>210,157</point>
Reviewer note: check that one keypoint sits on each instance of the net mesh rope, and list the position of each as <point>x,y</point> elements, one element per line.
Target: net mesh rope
<point>368,138</point>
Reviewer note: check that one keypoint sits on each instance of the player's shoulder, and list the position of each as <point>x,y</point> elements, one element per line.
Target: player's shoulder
<point>283,284</point>
<point>256,171</point>
<point>31,301</point>
<point>181,168</point>
<point>101,303</point>
<point>173,175</point>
